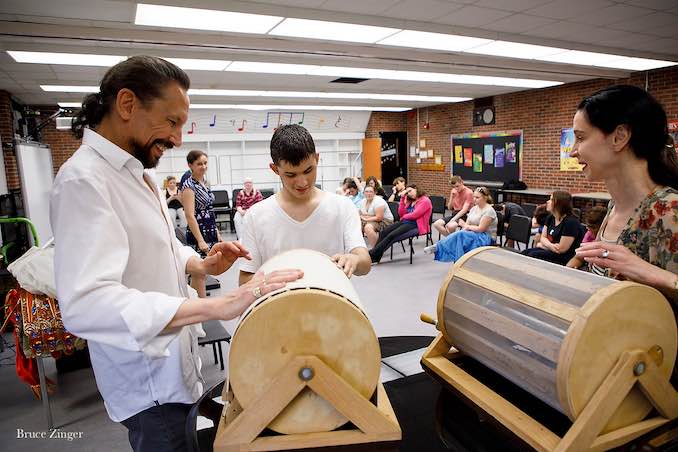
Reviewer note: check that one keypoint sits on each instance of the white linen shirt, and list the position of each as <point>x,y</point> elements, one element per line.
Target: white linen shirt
<point>120,278</point>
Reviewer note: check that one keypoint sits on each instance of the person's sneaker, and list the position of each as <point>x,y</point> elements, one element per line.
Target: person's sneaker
<point>430,249</point>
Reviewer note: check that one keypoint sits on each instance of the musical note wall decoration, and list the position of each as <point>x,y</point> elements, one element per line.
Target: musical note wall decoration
<point>192,128</point>
<point>232,121</point>
<point>242,126</point>
<point>214,121</point>
<point>336,124</point>
<point>301,121</point>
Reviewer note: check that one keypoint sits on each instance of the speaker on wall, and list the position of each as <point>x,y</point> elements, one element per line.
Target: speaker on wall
<point>483,116</point>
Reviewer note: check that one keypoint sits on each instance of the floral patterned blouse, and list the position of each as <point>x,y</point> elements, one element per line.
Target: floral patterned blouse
<point>652,231</point>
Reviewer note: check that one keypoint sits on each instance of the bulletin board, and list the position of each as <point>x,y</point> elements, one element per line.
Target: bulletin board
<point>488,156</point>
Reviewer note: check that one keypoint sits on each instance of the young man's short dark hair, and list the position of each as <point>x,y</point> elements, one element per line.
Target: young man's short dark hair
<point>351,184</point>
<point>291,143</point>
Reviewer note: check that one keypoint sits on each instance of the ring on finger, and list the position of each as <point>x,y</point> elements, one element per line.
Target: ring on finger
<point>256,292</point>
<point>605,253</point>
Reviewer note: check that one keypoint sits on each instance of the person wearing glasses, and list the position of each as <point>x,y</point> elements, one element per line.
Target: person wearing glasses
<point>479,229</point>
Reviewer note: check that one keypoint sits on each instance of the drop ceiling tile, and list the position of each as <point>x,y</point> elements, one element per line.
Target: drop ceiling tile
<point>424,10</point>
<point>358,6</point>
<point>612,14</point>
<point>109,10</point>
<point>512,5</point>
<point>294,3</point>
<point>654,20</point>
<point>670,31</point>
<point>473,16</point>
<point>561,30</point>
<point>567,9</point>
<point>659,5</point>
<point>519,23</point>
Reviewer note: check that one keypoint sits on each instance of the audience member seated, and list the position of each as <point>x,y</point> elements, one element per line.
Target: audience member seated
<point>374,183</point>
<point>594,218</point>
<point>173,198</point>
<point>479,229</point>
<point>509,209</point>
<point>246,198</point>
<point>538,221</point>
<point>561,234</point>
<point>399,188</point>
<point>460,202</point>
<point>414,211</point>
<point>354,193</point>
<point>343,188</point>
<point>374,215</point>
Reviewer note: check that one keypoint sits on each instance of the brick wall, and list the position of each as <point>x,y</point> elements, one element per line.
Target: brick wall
<point>382,121</point>
<point>541,114</point>
<point>7,135</point>
<point>62,143</point>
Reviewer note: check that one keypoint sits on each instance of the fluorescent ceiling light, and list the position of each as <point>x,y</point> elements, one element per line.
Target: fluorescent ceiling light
<point>295,107</point>
<point>580,57</point>
<point>435,41</point>
<point>198,64</point>
<point>334,31</point>
<point>515,50</point>
<point>70,104</point>
<point>635,64</point>
<point>203,19</point>
<point>79,59</point>
<point>387,74</point>
<point>69,89</point>
<point>322,95</point>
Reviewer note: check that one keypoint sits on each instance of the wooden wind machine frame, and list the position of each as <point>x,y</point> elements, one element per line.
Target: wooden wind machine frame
<point>304,361</point>
<point>603,357</point>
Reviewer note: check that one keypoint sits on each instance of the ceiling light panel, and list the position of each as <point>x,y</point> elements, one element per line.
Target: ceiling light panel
<point>515,50</point>
<point>322,95</point>
<point>79,59</point>
<point>333,31</point>
<point>70,104</point>
<point>296,107</point>
<point>69,89</point>
<point>579,57</point>
<point>433,41</point>
<point>635,64</point>
<point>203,19</point>
<point>199,64</point>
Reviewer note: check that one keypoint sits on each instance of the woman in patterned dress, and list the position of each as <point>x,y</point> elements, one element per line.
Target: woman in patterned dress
<point>621,139</point>
<point>198,199</point>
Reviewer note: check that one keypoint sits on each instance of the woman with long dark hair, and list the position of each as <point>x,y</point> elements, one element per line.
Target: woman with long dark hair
<point>622,140</point>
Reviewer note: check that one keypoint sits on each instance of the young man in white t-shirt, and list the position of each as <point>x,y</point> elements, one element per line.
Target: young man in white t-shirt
<point>301,215</point>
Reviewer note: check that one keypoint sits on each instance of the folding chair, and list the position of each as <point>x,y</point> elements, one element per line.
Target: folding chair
<point>519,230</point>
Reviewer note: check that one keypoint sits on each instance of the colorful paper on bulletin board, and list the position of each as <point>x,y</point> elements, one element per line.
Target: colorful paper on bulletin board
<point>673,131</point>
<point>477,163</point>
<point>488,151</point>
<point>499,158</point>
<point>458,155</point>
<point>568,163</point>
<point>510,152</point>
<point>468,157</point>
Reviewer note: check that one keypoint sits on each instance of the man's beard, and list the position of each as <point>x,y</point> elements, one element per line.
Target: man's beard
<point>145,153</point>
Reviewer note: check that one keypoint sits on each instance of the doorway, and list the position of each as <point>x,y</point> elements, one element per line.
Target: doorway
<point>393,156</point>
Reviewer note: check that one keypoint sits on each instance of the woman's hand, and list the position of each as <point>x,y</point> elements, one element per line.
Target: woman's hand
<point>203,246</point>
<point>620,260</point>
<point>461,223</point>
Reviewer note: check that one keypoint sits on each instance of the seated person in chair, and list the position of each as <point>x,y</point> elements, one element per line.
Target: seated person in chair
<point>375,214</point>
<point>301,215</point>
<point>594,218</point>
<point>246,198</point>
<point>461,201</point>
<point>415,212</point>
<point>561,234</point>
<point>479,229</point>
<point>399,188</point>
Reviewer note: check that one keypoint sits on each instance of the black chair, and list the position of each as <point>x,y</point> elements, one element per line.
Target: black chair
<point>388,190</point>
<point>577,213</point>
<point>519,230</point>
<point>215,334</point>
<point>439,204</point>
<point>500,227</point>
<point>234,196</point>
<point>202,440</point>
<point>393,207</point>
<point>529,209</point>
<point>266,192</point>
<point>410,236</point>
<point>222,206</point>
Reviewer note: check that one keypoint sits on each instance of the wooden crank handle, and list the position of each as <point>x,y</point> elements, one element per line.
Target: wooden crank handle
<point>428,319</point>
